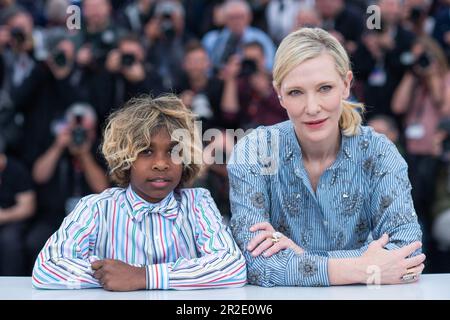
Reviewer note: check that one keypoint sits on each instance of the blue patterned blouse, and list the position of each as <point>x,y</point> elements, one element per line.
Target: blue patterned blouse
<point>363,194</point>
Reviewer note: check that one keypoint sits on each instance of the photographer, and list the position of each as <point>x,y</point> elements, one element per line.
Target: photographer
<point>250,90</point>
<point>98,35</point>
<point>197,89</point>
<point>165,39</point>
<point>382,59</point>
<point>132,76</point>
<point>343,21</point>
<point>421,99</point>
<point>222,44</point>
<point>416,17</point>
<point>17,204</point>
<point>66,170</point>
<point>45,95</point>
<point>136,15</point>
<point>16,46</point>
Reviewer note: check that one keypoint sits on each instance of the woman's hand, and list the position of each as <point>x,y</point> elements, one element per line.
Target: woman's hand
<point>263,242</point>
<point>393,264</point>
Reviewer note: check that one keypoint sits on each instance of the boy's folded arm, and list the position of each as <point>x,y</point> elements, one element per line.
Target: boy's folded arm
<point>65,261</point>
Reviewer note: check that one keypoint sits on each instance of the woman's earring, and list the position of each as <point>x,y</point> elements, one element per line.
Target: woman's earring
<point>279,97</point>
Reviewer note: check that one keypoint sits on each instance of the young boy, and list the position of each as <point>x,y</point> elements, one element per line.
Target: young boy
<point>149,233</point>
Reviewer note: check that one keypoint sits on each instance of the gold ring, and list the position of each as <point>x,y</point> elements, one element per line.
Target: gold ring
<point>276,236</point>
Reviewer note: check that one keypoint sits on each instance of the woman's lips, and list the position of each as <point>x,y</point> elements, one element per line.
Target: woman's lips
<point>316,124</point>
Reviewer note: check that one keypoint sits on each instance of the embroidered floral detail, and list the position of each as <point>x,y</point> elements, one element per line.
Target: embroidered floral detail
<point>334,177</point>
<point>307,267</point>
<point>347,153</point>
<point>364,144</point>
<point>385,202</point>
<point>351,203</point>
<point>257,200</point>
<point>283,227</point>
<point>369,165</point>
<point>400,218</point>
<point>292,204</point>
<point>306,237</point>
<point>338,239</point>
<point>289,155</point>
<point>255,277</point>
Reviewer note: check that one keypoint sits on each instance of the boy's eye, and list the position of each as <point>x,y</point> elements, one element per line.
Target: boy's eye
<point>325,88</point>
<point>147,152</point>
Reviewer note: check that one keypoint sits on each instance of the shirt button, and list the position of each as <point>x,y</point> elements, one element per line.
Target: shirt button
<point>325,222</point>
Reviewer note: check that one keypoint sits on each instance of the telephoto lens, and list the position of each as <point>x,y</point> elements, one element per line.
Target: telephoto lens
<point>79,134</point>
<point>127,59</point>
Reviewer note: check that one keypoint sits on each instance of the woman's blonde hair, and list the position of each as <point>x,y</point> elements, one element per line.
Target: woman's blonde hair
<point>129,130</point>
<point>309,43</point>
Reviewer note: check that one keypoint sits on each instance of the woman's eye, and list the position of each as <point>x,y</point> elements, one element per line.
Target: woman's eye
<point>325,88</point>
<point>294,92</point>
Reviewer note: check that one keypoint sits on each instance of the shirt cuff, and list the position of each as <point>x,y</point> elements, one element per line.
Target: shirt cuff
<point>308,271</point>
<point>157,276</point>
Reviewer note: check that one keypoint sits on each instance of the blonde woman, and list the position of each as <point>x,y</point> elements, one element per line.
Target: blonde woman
<point>337,210</point>
<point>150,232</point>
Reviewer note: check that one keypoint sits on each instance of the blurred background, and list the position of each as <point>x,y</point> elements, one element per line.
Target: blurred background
<point>58,85</point>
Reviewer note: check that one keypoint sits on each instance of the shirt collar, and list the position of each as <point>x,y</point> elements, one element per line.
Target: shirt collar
<point>294,146</point>
<point>167,207</point>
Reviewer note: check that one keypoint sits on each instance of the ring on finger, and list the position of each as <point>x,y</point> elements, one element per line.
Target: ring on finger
<point>410,276</point>
<point>276,236</point>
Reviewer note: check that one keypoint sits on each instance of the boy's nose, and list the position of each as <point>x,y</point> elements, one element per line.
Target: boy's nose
<point>160,166</point>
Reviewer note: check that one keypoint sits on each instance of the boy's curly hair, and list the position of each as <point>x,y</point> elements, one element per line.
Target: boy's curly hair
<point>128,132</point>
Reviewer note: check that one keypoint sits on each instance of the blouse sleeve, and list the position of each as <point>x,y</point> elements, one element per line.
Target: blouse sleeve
<point>391,206</point>
<point>65,260</point>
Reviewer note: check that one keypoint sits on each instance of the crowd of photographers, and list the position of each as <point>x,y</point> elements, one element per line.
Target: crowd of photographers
<point>58,85</point>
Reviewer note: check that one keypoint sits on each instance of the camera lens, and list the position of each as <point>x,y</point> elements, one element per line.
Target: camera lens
<point>248,67</point>
<point>59,57</point>
<point>18,35</point>
<point>423,61</point>
<point>128,59</point>
<point>79,134</point>
<point>167,27</point>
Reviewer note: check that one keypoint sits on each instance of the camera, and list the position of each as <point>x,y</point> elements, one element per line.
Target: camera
<point>102,46</point>
<point>423,61</point>
<point>416,14</point>
<point>248,68</point>
<point>18,35</point>
<point>127,60</point>
<point>59,57</point>
<point>79,134</point>
<point>167,26</point>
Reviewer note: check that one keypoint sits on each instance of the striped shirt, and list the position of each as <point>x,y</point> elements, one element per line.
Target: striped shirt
<point>363,194</point>
<point>181,242</point>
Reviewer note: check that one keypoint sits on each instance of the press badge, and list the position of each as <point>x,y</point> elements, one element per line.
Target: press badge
<point>415,131</point>
<point>377,77</point>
